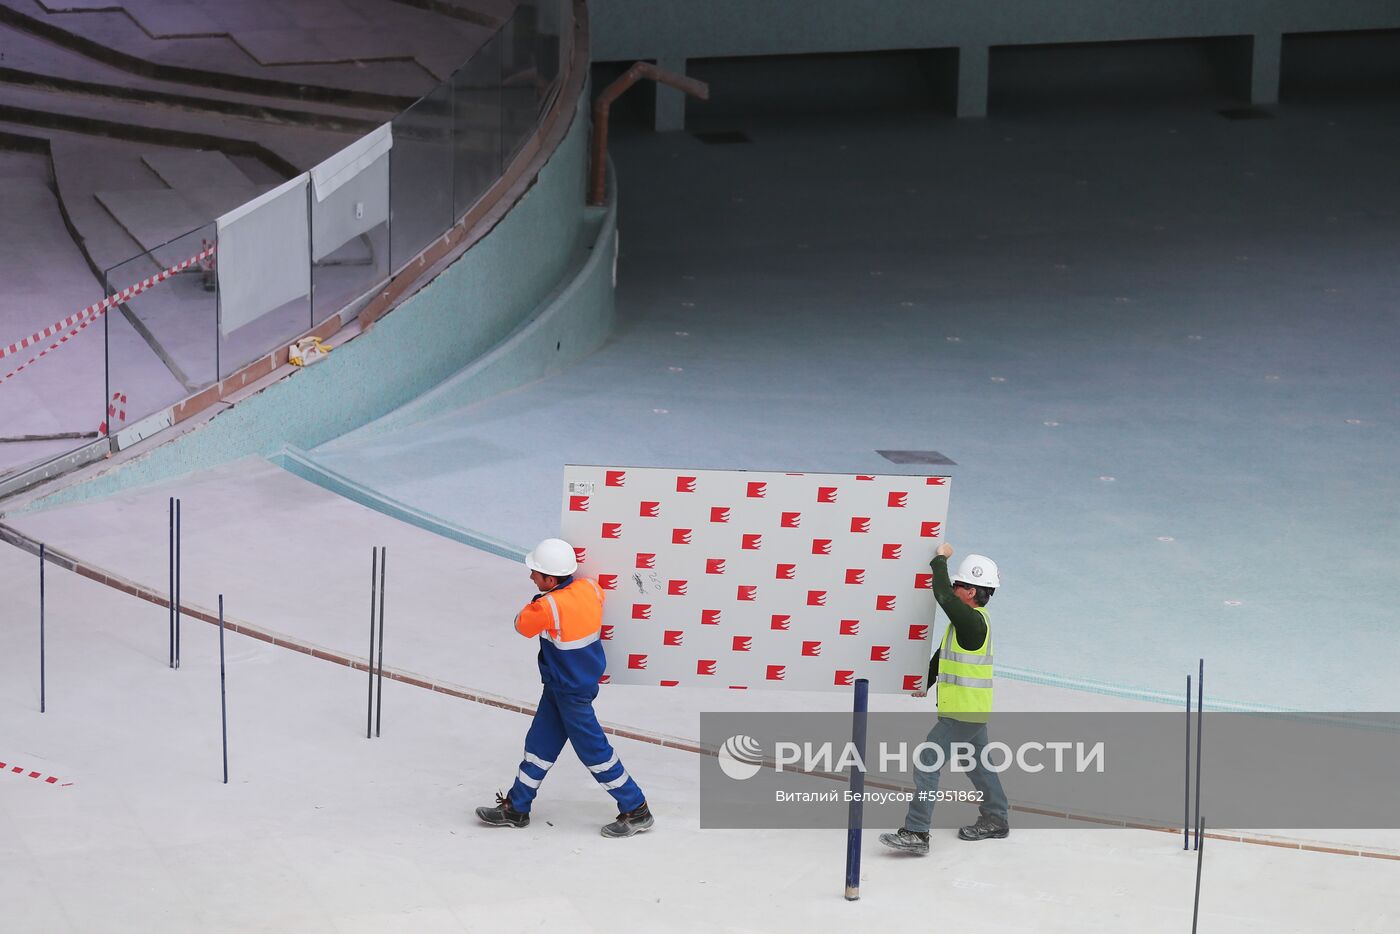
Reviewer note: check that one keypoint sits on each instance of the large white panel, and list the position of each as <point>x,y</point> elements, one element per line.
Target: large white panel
<point>740,579</point>
<point>357,204</point>
<point>264,258</point>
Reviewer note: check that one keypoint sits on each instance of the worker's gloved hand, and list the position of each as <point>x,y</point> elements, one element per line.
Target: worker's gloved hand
<point>923,693</point>
<point>945,550</point>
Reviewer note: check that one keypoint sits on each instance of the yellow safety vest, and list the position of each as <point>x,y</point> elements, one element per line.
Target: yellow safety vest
<point>964,677</point>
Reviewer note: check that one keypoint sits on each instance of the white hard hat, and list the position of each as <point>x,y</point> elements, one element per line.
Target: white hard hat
<point>979,571</point>
<point>554,557</point>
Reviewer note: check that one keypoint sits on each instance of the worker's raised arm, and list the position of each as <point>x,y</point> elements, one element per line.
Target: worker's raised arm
<point>532,620</point>
<point>969,625</point>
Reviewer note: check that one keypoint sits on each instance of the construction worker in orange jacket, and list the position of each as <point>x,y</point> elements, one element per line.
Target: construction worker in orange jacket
<point>567,615</point>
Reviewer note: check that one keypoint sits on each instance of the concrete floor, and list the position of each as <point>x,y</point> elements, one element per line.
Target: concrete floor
<point>320,829</point>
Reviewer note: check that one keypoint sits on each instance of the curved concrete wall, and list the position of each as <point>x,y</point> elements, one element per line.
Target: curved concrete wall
<point>476,304</point>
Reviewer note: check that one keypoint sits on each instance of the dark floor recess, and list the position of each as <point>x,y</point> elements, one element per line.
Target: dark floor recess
<point>723,137</point>
<point>1246,113</point>
<point>916,457</point>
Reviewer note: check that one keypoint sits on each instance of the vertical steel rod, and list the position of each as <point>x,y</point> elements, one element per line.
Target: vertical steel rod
<point>1186,813</point>
<point>1200,854</point>
<point>223,702</point>
<point>170,517</point>
<point>42,687</point>
<point>373,579</point>
<point>178,575</point>
<point>1200,727</point>
<point>379,700</point>
<point>856,816</point>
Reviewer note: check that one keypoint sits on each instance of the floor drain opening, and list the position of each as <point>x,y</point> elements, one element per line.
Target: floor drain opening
<point>916,457</point>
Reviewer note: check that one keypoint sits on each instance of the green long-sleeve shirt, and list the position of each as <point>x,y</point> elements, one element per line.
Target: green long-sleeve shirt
<point>968,624</point>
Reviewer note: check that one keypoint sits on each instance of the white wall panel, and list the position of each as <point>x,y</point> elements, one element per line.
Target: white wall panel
<point>741,579</point>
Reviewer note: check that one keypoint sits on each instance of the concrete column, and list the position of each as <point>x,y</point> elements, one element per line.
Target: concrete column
<point>1265,59</point>
<point>670,103</point>
<point>974,66</point>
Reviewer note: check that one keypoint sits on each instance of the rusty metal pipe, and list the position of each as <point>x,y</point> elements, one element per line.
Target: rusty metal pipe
<point>598,170</point>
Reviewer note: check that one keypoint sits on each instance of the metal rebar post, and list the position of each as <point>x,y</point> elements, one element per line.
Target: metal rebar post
<point>379,700</point>
<point>170,519</point>
<point>42,686</point>
<point>373,579</point>
<point>1200,854</point>
<point>178,575</point>
<point>1186,812</point>
<point>1200,727</point>
<point>223,694</point>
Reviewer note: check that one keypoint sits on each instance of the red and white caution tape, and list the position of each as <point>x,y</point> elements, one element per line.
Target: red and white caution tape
<point>80,320</point>
<point>116,412</point>
<point>21,770</point>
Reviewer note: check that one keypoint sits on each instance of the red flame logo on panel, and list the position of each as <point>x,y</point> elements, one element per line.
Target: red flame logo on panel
<point>923,581</point>
<point>751,542</point>
<point>580,554</point>
<point>646,559</point>
<point>714,565</point>
<point>605,632</point>
<point>612,530</point>
<point>607,581</point>
<point>845,677</point>
<point>637,662</point>
<point>677,588</point>
<point>669,684</point>
<point>786,572</point>
<point>790,520</point>
<point>685,484</point>
<point>742,643</point>
<point>913,682</point>
<point>758,489</point>
<point>884,602</point>
<point>879,653</point>
<point>650,510</point>
<point>615,478</point>
<point>747,592</point>
<point>710,617</point>
<point>605,679</point>
<point>578,504</point>
<point>680,536</point>
<point>850,627</point>
<point>641,611</point>
<point>898,500</point>
<point>826,494</point>
<point>862,476</point>
<point>781,621</point>
<point>673,637</point>
<point>706,666</point>
<point>816,598</point>
<point>811,649</point>
<point>821,546</point>
<point>930,529</point>
<point>719,513</point>
<point>892,552</point>
<point>860,523</point>
<point>777,672</point>
<point>918,633</point>
<point>855,575</point>
<point>935,481</point>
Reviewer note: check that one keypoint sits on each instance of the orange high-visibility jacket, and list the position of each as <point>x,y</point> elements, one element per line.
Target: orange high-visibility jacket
<point>569,622</point>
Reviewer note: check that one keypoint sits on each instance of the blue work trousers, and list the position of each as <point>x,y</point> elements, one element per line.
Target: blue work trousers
<point>567,717</point>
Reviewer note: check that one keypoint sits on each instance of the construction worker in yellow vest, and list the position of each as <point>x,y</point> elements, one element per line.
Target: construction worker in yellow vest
<point>962,671</point>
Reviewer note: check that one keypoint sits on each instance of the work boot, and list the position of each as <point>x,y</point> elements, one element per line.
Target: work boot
<point>986,828</point>
<point>907,841</point>
<point>503,815</point>
<point>630,822</point>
